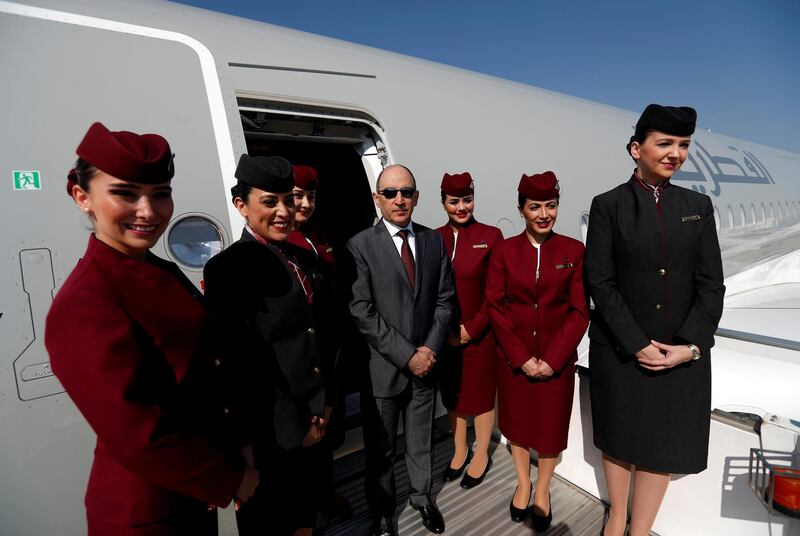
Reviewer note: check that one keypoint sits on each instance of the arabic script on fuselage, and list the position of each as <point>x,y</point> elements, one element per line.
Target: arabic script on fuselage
<point>703,167</point>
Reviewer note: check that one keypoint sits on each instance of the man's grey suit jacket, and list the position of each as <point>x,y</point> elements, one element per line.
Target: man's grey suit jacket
<point>394,318</point>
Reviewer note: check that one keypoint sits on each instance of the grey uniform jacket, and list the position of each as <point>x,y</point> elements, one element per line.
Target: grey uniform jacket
<point>654,272</point>
<point>395,319</point>
<point>267,330</point>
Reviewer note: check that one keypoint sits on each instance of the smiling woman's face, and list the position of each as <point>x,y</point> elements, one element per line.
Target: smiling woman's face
<point>459,209</point>
<point>540,216</point>
<point>660,155</point>
<point>269,214</point>
<point>128,216</point>
<point>305,201</point>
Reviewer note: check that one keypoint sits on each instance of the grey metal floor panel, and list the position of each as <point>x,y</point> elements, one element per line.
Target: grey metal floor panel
<point>481,511</point>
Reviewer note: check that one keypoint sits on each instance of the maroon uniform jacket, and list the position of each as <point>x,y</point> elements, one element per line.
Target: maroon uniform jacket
<point>546,320</point>
<point>127,339</point>
<point>314,241</point>
<point>468,374</point>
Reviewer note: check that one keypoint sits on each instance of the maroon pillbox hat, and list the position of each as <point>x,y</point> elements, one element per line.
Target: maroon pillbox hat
<point>142,158</point>
<point>458,185</point>
<point>539,187</point>
<point>305,177</point>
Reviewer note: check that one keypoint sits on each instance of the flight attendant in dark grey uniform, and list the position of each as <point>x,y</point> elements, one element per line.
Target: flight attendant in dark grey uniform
<point>260,294</point>
<point>654,271</point>
<point>331,314</point>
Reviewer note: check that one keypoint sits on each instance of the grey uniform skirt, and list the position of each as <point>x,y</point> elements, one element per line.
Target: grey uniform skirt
<point>656,420</point>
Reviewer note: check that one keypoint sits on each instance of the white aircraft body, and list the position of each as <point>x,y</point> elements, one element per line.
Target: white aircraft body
<point>218,86</point>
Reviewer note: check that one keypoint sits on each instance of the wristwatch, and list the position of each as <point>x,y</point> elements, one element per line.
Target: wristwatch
<point>695,351</point>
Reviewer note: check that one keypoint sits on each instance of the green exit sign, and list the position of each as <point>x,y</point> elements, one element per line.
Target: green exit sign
<point>27,180</point>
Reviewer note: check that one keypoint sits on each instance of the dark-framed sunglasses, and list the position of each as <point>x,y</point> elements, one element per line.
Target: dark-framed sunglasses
<point>391,193</point>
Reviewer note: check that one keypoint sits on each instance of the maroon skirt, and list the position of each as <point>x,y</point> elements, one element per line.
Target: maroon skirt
<point>535,413</point>
<point>468,377</point>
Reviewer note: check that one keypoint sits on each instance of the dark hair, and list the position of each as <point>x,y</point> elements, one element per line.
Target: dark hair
<point>242,190</point>
<point>639,135</point>
<point>444,196</point>
<point>521,200</point>
<point>84,172</point>
<point>378,180</point>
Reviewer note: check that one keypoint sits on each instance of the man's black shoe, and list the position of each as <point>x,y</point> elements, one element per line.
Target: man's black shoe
<point>431,517</point>
<point>382,527</point>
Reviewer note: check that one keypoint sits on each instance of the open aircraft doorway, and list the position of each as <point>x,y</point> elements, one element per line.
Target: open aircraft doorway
<point>346,147</point>
<point>348,151</point>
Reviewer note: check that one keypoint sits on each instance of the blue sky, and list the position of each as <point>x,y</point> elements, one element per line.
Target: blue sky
<point>736,61</point>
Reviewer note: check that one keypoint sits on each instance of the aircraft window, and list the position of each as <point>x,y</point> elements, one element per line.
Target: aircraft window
<point>716,220</point>
<point>193,240</point>
<point>731,223</point>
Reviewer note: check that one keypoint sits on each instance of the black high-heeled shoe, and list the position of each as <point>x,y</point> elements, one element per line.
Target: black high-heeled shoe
<point>542,523</point>
<point>452,474</point>
<point>469,482</point>
<point>518,515</point>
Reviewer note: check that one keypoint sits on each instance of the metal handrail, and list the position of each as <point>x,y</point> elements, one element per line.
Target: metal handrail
<point>759,339</point>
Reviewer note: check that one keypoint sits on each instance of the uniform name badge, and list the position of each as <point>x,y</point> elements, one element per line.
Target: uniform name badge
<point>482,245</point>
<point>565,265</point>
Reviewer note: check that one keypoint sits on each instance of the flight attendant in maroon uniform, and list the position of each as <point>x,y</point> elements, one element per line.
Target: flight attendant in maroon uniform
<point>305,204</point>
<point>539,314</point>
<point>127,338</point>
<point>468,373</point>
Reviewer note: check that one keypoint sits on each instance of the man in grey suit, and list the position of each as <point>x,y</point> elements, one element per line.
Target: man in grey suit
<point>402,300</point>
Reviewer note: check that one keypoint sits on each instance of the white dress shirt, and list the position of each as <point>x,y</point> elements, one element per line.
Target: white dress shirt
<point>398,241</point>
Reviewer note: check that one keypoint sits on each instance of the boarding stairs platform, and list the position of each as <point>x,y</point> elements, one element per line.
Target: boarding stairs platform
<point>481,511</point>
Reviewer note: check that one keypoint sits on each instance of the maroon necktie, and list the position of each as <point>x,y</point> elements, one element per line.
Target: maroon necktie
<point>408,258</point>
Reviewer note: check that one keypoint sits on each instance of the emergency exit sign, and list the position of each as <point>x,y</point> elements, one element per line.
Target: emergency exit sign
<point>27,180</point>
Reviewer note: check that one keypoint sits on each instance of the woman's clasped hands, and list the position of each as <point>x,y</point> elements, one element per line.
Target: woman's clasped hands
<point>537,368</point>
<point>658,356</point>
<point>316,431</point>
